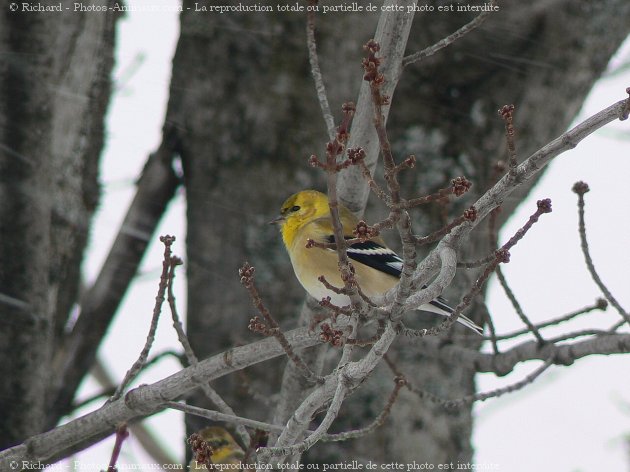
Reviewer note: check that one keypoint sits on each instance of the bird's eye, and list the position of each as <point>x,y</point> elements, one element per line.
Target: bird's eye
<point>295,208</point>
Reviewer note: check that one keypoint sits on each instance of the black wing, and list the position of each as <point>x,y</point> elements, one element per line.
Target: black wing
<point>374,255</point>
<point>377,256</point>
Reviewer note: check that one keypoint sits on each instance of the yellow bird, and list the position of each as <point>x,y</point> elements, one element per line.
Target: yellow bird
<point>306,215</point>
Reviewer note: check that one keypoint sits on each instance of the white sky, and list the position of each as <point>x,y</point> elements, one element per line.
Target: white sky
<point>572,419</point>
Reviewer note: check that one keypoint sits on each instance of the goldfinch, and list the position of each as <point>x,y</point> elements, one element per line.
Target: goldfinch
<point>306,215</point>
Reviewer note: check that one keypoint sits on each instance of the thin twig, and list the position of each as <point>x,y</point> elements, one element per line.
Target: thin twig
<point>482,396</point>
<point>399,383</point>
<point>556,321</point>
<point>517,306</point>
<point>502,255</point>
<point>376,80</point>
<point>121,435</point>
<point>218,416</point>
<point>370,341</point>
<point>543,206</point>
<point>157,308</point>
<point>409,265</point>
<point>580,334</point>
<point>616,326</point>
<point>478,263</point>
<point>387,223</point>
<point>468,215</point>
<point>451,38</point>
<point>580,188</point>
<point>493,332</point>
<point>458,187</point>
<point>509,388</point>
<point>168,353</point>
<point>177,325</point>
<point>208,391</point>
<point>492,240</point>
<point>470,398</point>
<point>334,149</point>
<point>398,214</point>
<point>313,58</point>
<point>507,113</point>
<point>246,274</point>
<point>336,310</point>
<point>374,186</point>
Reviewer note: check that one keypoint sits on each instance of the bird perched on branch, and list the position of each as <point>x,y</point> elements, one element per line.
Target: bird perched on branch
<point>306,216</point>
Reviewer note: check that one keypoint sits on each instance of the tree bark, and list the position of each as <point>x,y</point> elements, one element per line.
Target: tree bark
<point>55,83</point>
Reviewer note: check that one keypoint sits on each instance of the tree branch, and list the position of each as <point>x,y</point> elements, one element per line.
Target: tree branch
<point>148,399</point>
<point>392,32</point>
<point>503,363</point>
<point>451,38</point>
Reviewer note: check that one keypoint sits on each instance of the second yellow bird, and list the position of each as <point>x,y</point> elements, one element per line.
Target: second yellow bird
<point>225,449</point>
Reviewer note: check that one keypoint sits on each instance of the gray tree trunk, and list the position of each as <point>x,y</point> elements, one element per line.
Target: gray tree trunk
<point>55,84</point>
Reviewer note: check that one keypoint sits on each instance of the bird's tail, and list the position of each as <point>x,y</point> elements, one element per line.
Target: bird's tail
<point>441,308</point>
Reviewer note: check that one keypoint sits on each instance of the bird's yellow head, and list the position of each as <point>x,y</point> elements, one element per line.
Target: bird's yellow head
<point>298,210</point>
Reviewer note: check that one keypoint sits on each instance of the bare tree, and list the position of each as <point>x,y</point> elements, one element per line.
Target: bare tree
<point>55,80</point>
<point>241,109</point>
